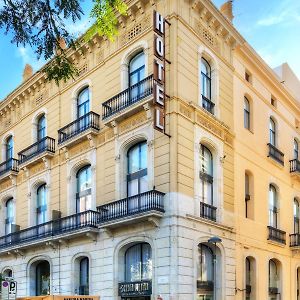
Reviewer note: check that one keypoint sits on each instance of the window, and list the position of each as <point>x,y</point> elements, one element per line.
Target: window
<point>296,149</point>
<point>248,76</point>
<point>206,86</point>
<point>246,113</point>
<point>272,132</point>
<point>273,209</point>
<point>137,180</point>
<point>296,216</point>
<point>248,278</point>
<point>273,102</point>
<point>84,276</point>
<point>84,189</point>
<point>41,205</point>
<point>42,280</point>
<point>83,103</point>
<point>9,213</point>
<point>205,282</point>
<point>9,149</point>
<point>138,263</point>
<point>41,128</point>
<point>247,194</point>
<point>7,273</point>
<point>136,75</point>
<point>273,279</point>
<point>206,175</point>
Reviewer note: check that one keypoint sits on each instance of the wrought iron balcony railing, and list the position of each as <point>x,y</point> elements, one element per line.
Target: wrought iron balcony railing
<point>208,105</point>
<point>295,240</point>
<point>294,165</point>
<point>275,154</point>
<point>9,165</point>
<point>141,203</point>
<point>208,211</point>
<point>47,144</point>
<point>276,235</point>
<point>133,94</point>
<point>89,121</point>
<point>52,228</point>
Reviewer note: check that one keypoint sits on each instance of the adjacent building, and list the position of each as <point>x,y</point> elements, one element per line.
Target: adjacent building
<point>168,169</point>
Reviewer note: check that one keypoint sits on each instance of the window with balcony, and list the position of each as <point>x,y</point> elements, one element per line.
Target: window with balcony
<point>9,215</point>
<point>41,204</point>
<point>272,133</point>
<point>207,208</point>
<point>42,278</point>
<point>273,207</point>
<point>137,180</point>
<point>136,74</point>
<point>41,128</point>
<point>296,149</point>
<point>206,81</point>
<point>274,152</point>
<point>296,216</point>
<point>84,189</point>
<point>138,263</point>
<point>246,113</point>
<point>274,279</point>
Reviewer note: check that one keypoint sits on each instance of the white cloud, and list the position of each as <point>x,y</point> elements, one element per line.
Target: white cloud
<point>79,27</point>
<point>29,57</point>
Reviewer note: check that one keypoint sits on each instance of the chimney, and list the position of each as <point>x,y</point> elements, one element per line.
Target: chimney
<point>62,44</point>
<point>226,10</point>
<point>28,72</point>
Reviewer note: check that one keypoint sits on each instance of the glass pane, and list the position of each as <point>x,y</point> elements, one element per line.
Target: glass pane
<point>206,161</point>
<point>41,128</point>
<point>84,272</point>
<point>83,103</point>
<point>143,157</point>
<point>133,187</point>
<point>133,264</point>
<point>143,184</point>
<point>272,274</point>
<point>9,148</point>
<point>134,159</point>
<point>207,192</point>
<point>137,62</point>
<point>43,278</point>
<point>146,262</point>
<point>84,179</point>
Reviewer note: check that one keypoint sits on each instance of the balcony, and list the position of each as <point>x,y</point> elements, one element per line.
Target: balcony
<point>295,167</point>
<point>55,230</point>
<point>79,129</point>
<point>132,209</point>
<point>129,101</point>
<point>295,240</point>
<point>208,105</point>
<point>276,154</point>
<point>8,168</point>
<point>208,211</point>
<point>37,151</point>
<point>276,235</point>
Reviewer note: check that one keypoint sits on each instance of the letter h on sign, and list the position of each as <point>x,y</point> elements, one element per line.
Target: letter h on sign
<point>159,70</point>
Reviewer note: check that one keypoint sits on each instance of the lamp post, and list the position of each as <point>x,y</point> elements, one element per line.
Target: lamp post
<point>214,240</point>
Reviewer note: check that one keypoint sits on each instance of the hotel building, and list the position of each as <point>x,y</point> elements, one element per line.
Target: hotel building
<point>168,169</point>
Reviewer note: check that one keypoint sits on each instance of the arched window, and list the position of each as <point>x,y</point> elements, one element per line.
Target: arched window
<point>273,206</point>
<point>246,113</point>
<point>249,272</point>
<point>136,75</point>
<point>138,263</point>
<point>41,204</point>
<point>84,276</point>
<point>207,210</point>
<point>84,189</point>
<point>41,128</point>
<point>83,103</point>
<point>296,149</point>
<point>206,86</point>
<point>42,279</point>
<point>137,180</point>
<point>273,279</point>
<point>9,148</point>
<point>296,216</point>
<point>272,132</point>
<point>10,215</point>
<point>7,273</point>
<point>247,194</point>
<point>206,276</point>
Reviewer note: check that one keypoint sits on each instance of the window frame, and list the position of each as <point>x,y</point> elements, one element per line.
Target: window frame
<point>41,210</point>
<point>9,148</point>
<point>80,195</point>
<point>9,220</point>
<point>87,266</point>
<point>41,128</point>
<point>206,85</point>
<point>38,281</point>
<point>272,132</point>
<point>296,149</point>
<point>86,104</point>
<point>247,112</point>
<point>273,210</point>
<point>296,214</point>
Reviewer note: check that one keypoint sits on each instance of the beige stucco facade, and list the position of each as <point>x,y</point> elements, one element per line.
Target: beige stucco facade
<point>198,30</point>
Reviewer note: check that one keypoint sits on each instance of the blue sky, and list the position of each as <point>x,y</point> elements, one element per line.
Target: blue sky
<point>271,27</point>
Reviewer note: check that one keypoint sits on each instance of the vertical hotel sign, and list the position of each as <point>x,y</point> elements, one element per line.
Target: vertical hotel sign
<point>159,71</point>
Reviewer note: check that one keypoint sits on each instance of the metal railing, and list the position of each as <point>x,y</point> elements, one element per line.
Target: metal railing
<point>208,105</point>
<point>47,144</point>
<point>276,154</point>
<point>148,201</point>
<point>11,164</point>
<point>294,165</point>
<point>295,240</point>
<point>63,225</point>
<point>208,211</point>
<point>276,235</point>
<point>133,94</point>
<point>89,121</point>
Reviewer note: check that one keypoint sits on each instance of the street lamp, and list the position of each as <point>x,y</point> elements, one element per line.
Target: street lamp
<point>214,240</point>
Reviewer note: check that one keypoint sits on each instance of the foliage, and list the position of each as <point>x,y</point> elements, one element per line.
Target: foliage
<point>42,24</point>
